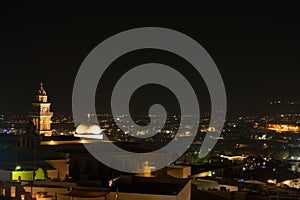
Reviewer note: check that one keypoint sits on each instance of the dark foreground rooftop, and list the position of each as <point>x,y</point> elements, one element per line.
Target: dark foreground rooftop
<point>151,185</point>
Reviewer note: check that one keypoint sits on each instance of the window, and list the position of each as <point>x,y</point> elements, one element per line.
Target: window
<point>12,191</point>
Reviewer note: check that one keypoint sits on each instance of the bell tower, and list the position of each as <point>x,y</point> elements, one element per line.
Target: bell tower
<point>41,114</point>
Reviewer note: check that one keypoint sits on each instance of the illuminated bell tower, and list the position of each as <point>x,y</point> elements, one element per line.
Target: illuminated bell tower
<point>41,115</point>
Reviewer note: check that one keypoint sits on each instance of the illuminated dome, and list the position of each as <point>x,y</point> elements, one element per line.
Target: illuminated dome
<point>81,129</point>
<point>94,129</point>
<point>88,129</point>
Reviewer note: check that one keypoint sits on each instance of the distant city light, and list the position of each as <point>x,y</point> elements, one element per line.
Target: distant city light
<point>271,181</point>
<point>282,128</point>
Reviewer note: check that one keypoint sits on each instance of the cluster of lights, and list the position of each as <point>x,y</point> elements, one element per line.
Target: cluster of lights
<point>292,183</point>
<point>6,131</point>
<point>281,128</point>
<point>208,129</point>
<point>295,158</point>
<point>263,137</point>
<point>276,102</point>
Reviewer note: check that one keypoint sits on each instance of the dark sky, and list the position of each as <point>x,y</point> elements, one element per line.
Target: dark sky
<point>255,46</point>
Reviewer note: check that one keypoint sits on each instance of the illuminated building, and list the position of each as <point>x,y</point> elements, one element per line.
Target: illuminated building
<point>283,128</point>
<point>28,175</point>
<point>89,131</point>
<point>178,171</point>
<point>41,114</point>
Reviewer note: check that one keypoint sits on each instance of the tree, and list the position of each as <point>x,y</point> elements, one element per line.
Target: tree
<point>281,155</point>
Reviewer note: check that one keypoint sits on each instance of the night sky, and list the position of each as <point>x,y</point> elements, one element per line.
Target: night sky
<point>255,46</point>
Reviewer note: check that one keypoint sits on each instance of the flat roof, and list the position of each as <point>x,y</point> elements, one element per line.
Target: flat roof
<point>85,193</point>
<point>153,185</point>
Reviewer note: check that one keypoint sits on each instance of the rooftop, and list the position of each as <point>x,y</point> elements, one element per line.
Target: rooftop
<point>152,185</point>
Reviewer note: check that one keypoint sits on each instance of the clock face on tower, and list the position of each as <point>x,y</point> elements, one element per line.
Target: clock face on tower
<point>44,109</point>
